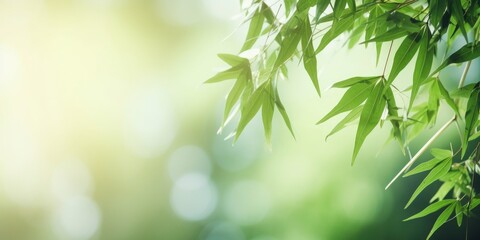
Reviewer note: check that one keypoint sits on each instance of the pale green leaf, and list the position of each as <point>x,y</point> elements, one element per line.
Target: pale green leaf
<point>228,74</point>
<point>309,57</point>
<point>250,109</point>
<point>284,114</point>
<point>254,30</point>
<point>354,80</point>
<point>441,153</point>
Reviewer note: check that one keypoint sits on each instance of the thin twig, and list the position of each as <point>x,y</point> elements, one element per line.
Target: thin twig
<point>422,150</point>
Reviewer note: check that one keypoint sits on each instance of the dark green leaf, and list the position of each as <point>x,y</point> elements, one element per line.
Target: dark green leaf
<point>471,116</point>
<point>404,54</point>
<point>466,53</point>
<point>437,172</point>
<point>437,8</point>
<point>371,114</point>
<point>455,7</point>
<point>355,80</point>
<point>422,66</point>
<point>309,57</point>
<point>441,219</point>
<point>431,208</point>
<point>352,98</point>
<point>339,27</point>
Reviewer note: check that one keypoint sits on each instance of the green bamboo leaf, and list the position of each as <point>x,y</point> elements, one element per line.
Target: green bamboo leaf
<point>351,116</point>
<point>423,65</point>
<point>231,73</point>
<point>437,9</point>
<point>474,136</point>
<point>459,213</point>
<point>404,54</point>
<point>321,6</point>
<point>352,5</point>
<point>267,112</point>
<point>455,7</point>
<point>290,42</point>
<point>437,172</point>
<point>466,53</point>
<point>283,112</point>
<point>471,116</point>
<point>309,57</point>
<point>447,98</point>
<point>371,114</point>
<point>355,80</point>
<point>441,153</point>
<point>374,20</point>
<point>441,219</point>
<point>288,6</point>
<point>339,27</point>
<point>250,109</point>
<point>338,8</point>
<point>392,34</point>
<point>305,4</point>
<point>234,96</point>
<point>425,166</point>
<point>393,115</point>
<point>232,60</point>
<point>475,202</point>
<point>432,208</point>
<point>443,191</point>
<point>254,30</point>
<point>352,98</point>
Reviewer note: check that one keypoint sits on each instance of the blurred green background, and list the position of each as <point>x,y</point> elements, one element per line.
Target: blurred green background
<point>108,132</point>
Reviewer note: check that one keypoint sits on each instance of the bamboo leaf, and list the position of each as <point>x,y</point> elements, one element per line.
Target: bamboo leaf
<point>431,209</point>
<point>371,114</point>
<point>404,54</point>
<point>228,74</point>
<point>339,27</point>
<point>437,8</point>
<point>459,213</point>
<point>455,7</point>
<point>447,98</point>
<point>466,53</point>
<point>250,109</point>
<point>355,80</point>
<point>234,96</point>
<point>305,4</point>
<point>284,114</point>
<point>267,112</point>
<point>422,65</point>
<point>425,166</point>
<point>309,57</point>
<point>392,34</point>
<point>443,191</point>
<point>351,116</point>
<point>254,30</point>
<point>471,116</point>
<point>290,41</point>
<point>352,98</point>
<point>437,172</point>
<point>441,219</point>
<point>441,153</point>
<point>320,8</point>
<point>232,60</point>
